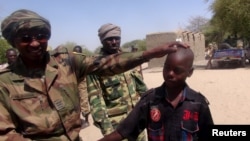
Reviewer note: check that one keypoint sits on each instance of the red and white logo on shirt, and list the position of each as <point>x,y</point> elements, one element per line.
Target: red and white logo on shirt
<point>155,114</point>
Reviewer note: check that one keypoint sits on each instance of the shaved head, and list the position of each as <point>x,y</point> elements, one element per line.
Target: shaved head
<point>177,67</point>
<point>183,54</point>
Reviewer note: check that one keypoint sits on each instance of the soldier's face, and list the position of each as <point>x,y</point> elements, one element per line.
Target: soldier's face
<point>31,43</point>
<point>11,56</point>
<point>112,44</point>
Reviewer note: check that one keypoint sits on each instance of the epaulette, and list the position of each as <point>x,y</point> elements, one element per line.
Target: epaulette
<point>4,70</point>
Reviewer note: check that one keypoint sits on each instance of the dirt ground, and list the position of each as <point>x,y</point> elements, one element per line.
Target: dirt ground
<point>227,90</point>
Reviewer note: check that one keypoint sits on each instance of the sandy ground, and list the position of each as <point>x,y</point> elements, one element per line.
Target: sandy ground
<point>227,90</point>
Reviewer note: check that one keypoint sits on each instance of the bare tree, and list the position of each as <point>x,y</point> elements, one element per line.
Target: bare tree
<point>197,24</point>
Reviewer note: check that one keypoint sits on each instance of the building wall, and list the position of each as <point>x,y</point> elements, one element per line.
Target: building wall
<point>195,40</point>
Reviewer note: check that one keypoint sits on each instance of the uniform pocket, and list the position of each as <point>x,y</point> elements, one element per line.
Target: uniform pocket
<point>111,83</point>
<point>112,88</point>
<point>189,130</point>
<point>28,101</point>
<point>156,134</point>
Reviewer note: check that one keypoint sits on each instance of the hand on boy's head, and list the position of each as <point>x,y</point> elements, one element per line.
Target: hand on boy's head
<point>178,44</point>
<point>164,49</point>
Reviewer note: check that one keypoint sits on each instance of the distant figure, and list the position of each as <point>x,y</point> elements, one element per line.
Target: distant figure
<point>240,44</point>
<point>11,55</point>
<point>133,48</point>
<point>172,111</point>
<point>83,95</point>
<point>78,49</point>
<point>210,53</point>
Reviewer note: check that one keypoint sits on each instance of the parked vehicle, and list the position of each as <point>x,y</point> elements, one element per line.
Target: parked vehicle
<point>247,50</point>
<point>229,56</point>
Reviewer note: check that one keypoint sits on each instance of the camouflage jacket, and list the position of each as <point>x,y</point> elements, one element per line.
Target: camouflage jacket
<point>47,107</point>
<point>82,87</point>
<point>113,96</point>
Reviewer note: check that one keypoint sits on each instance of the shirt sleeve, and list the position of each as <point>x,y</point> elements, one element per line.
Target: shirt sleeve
<point>136,121</point>
<point>140,85</point>
<point>113,64</point>
<point>82,87</point>
<point>206,120</point>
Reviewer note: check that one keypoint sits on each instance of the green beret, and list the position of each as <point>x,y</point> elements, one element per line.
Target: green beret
<point>22,19</point>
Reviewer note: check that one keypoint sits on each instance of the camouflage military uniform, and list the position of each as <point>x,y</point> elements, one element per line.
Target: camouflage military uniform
<point>113,97</point>
<point>82,87</point>
<point>44,104</point>
<point>84,97</point>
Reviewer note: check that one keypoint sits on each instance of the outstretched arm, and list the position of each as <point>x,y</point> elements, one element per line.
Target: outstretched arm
<point>121,62</point>
<point>162,50</point>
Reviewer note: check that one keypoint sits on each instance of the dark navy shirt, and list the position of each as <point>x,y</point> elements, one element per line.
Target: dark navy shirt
<point>189,121</point>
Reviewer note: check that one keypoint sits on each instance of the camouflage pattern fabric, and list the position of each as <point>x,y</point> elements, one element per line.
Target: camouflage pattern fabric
<point>85,108</point>
<point>44,105</point>
<point>21,19</point>
<point>111,98</point>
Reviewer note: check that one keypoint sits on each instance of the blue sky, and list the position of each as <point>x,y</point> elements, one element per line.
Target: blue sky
<point>78,20</point>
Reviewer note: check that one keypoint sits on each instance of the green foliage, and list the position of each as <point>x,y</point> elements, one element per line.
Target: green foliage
<point>232,17</point>
<point>212,34</point>
<point>86,51</point>
<point>139,44</point>
<point>71,45</point>
<point>97,50</point>
<point>4,45</point>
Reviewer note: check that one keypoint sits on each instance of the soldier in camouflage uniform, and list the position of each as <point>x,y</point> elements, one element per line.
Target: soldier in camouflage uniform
<point>11,55</point>
<point>39,98</point>
<point>113,97</point>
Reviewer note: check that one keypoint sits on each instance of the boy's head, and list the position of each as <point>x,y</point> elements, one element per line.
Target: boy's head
<point>178,66</point>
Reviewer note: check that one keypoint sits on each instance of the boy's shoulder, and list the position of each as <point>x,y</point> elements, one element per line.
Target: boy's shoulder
<point>153,94</point>
<point>197,96</point>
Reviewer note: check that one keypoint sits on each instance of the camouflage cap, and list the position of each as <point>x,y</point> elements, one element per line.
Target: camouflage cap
<point>109,30</point>
<point>22,19</point>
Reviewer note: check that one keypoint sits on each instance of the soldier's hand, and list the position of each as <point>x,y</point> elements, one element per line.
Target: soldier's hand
<point>162,50</point>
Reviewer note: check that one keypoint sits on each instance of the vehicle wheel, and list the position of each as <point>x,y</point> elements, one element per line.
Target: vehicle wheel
<point>221,65</point>
<point>243,62</point>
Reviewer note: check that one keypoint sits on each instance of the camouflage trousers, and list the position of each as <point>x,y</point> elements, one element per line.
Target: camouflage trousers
<point>115,121</point>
